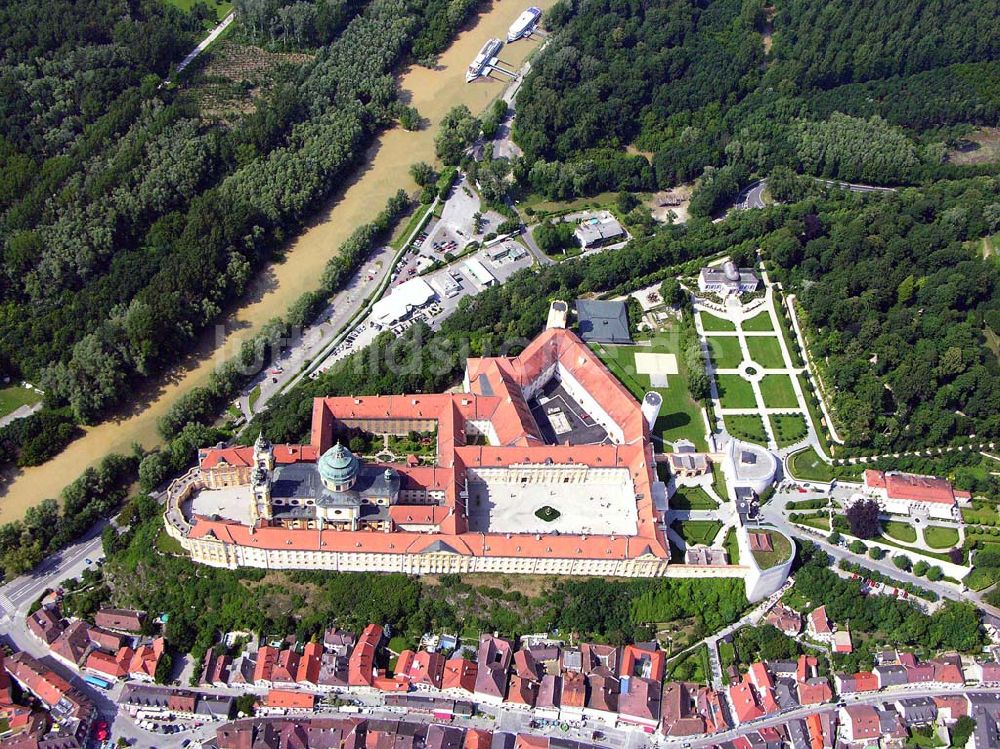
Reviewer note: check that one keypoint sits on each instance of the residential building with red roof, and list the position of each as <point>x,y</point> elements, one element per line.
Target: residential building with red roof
<point>266,656</point>
<point>289,700</point>
<point>712,707</point>
<point>286,668</point>
<point>316,505</point>
<point>862,681</point>
<point>860,723</point>
<point>124,620</point>
<point>477,738</point>
<point>424,670</point>
<point>744,703</point>
<point>46,624</point>
<point>145,659</point>
<point>549,692</point>
<point>912,494</point>
<point>494,659</point>
<point>573,698</point>
<point>310,664</point>
<point>818,625</point>
<point>948,669</point>
<point>639,703</point>
<point>521,692</point>
<point>459,675</point>
<point>648,663</point>
<point>786,619</point>
<point>602,697</point>
<point>764,684</point>
<point>111,666</point>
<point>361,664</point>
<point>72,644</point>
<point>678,710</point>
<point>951,707</point>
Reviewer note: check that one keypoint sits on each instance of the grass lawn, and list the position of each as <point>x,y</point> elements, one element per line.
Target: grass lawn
<point>982,578</point>
<point>749,428</point>
<point>680,415</point>
<point>778,391</point>
<point>903,532</point>
<point>543,206</point>
<point>12,398</point>
<point>733,547</point>
<point>806,465</point>
<point>759,323</point>
<point>168,544</point>
<point>221,8</point>
<point>819,522</point>
<point>938,537</point>
<point>719,481</point>
<point>727,653</point>
<point>418,218</point>
<point>692,498</point>
<point>782,550</point>
<point>766,351</point>
<point>711,322</point>
<point>398,644</point>
<point>726,351</point>
<point>980,513</point>
<point>788,428</point>
<point>697,531</point>
<point>735,392</point>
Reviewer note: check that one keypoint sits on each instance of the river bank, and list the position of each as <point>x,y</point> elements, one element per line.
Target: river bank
<point>433,91</point>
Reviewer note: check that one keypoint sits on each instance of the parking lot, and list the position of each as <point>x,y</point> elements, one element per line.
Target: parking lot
<point>450,283</point>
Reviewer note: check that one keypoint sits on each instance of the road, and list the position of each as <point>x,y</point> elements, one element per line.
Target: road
<point>203,45</point>
<point>752,196</point>
<point>18,595</point>
<point>773,513</point>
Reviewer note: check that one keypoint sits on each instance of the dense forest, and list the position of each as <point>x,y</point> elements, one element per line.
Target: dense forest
<point>899,310</point>
<point>850,90</point>
<point>127,219</point>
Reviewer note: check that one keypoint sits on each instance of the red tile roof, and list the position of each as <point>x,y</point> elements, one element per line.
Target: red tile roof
<point>288,698</point>
<point>507,410</point>
<point>309,664</point>
<point>865,681</point>
<point>574,690</point>
<point>459,674</point>
<point>361,664</point>
<point>864,721</point>
<point>649,664</point>
<point>912,487</point>
<point>744,701</point>
<point>820,622</point>
<point>109,665</point>
<point>146,658</point>
<point>266,656</point>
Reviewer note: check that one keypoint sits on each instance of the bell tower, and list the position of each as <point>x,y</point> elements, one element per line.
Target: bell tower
<point>263,453</point>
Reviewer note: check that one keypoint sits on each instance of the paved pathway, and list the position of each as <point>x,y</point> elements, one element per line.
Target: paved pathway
<point>203,45</point>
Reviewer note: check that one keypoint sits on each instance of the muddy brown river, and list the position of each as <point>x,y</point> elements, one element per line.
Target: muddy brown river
<point>433,92</point>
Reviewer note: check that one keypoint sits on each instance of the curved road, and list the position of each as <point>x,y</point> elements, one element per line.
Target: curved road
<point>752,196</point>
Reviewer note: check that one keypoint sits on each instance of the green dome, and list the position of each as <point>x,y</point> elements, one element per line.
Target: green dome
<point>338,466</point>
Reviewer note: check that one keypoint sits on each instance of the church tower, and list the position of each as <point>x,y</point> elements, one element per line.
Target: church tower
<point>263,453</point>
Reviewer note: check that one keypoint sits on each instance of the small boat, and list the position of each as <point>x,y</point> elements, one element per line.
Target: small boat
<point>524,24</point>
<point>478,65</point>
